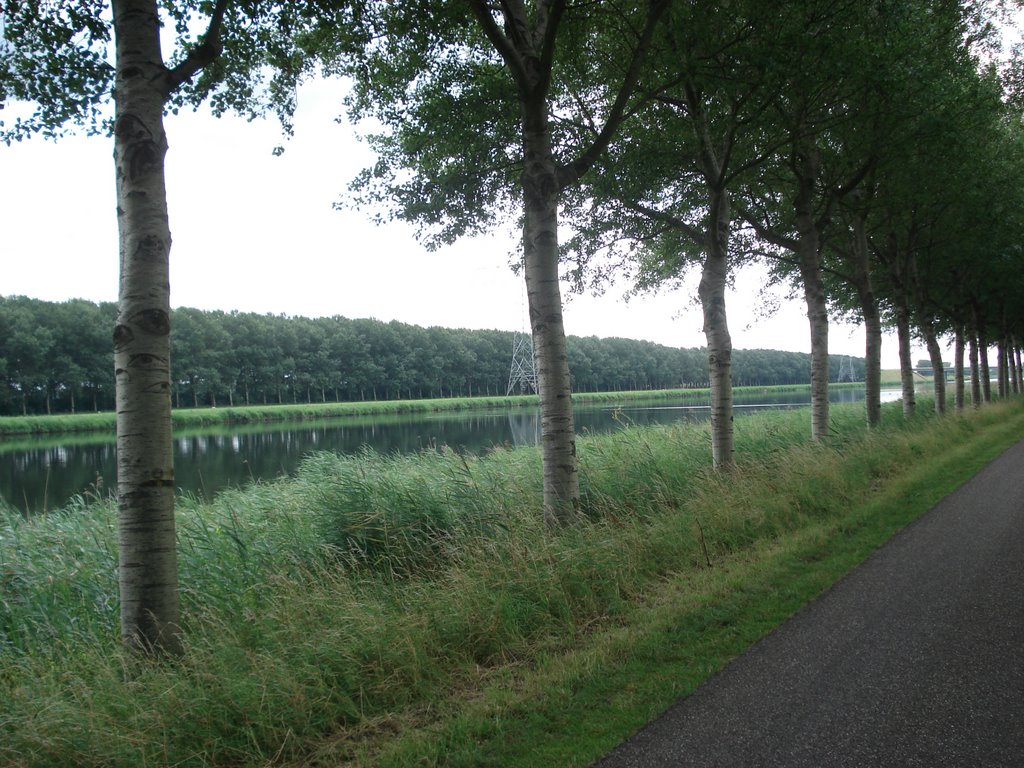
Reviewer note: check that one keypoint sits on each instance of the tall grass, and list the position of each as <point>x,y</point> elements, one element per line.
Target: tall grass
<point>317,608</point>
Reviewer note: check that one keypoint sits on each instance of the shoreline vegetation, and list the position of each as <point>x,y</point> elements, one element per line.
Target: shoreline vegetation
<point>186,418</point>
<point>397,610</point>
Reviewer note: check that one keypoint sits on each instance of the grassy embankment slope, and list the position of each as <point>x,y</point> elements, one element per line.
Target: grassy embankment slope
<point>891,377</point>
<point>201,417</point>
<point>413,610</point>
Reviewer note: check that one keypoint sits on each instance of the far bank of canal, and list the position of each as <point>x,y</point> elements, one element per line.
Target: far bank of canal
<point>38,474</point>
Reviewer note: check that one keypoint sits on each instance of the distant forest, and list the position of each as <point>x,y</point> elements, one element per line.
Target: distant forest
<point>57,358</point>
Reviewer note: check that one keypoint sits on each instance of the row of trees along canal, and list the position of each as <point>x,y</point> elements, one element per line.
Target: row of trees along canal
<point>869,151</point>
<point>55,357</point>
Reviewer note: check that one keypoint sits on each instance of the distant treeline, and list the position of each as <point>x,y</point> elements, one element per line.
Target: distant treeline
<point>56,357</point>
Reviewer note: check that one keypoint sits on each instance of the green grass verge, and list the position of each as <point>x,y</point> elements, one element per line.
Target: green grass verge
<point>201,417</point>
<point>573,710</point>
<point>413,610</point>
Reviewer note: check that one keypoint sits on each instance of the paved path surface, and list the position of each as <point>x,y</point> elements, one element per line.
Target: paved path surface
<point>916,658</point>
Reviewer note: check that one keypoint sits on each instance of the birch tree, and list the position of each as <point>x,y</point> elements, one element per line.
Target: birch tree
<point>860,87</point>
<point>793,203</point>
<point>662,201</point>
<point>911,57</point>
<point>941,196</point>
<point>481,127</point>
<point>56,58</point>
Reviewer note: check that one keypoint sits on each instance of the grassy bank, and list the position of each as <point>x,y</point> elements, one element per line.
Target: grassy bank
<point>399,610</point>
<point>200,417</point>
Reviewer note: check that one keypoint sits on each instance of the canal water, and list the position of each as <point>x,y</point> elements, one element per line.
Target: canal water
<point>40,474</point>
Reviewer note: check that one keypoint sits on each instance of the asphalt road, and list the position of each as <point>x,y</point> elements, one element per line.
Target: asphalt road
<point>916,658</point>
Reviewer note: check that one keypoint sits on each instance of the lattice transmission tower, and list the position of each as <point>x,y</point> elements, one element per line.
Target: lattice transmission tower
<point>523,373</point>
<point>846,372</point>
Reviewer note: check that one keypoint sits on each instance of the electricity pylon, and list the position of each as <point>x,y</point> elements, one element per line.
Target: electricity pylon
<point>846,369</point>
<point>523,373</point>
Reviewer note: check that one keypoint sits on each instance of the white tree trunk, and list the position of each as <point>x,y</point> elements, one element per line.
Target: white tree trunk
<point>1000,370</point>
<point>975,371</point>
<point>714,277</point>
<point>872,324</point>
<point>1018,373</point>
<point>817,316</point>
<point>540,252</point>
<point>938,367</point>
<point>145,474</point>
<point>1004,369</point>
<point>986,374</point>
<point>906,361</point>
<point>958,367</point>
<point>873,367</point>
<point>814,290</point>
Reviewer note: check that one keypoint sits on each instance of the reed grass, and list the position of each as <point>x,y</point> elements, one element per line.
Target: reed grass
<point>324,612</point>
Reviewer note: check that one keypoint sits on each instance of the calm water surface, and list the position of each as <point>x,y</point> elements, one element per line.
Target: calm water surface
<point>44,473</point>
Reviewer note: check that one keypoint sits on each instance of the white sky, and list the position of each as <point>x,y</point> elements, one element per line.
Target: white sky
<point>254,232</point>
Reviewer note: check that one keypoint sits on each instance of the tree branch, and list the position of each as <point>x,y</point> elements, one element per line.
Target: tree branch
<point>667,218</point>
<point>569,174</point>
<point>501,41</point>
<point>202,55</point>
<point>763,231</point>
<point>842,191</point>
<point>549,19</point>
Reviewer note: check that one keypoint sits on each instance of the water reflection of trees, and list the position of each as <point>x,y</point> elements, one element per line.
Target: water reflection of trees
<point>41,479</point>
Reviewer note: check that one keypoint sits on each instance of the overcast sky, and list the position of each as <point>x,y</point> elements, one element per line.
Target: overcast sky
<point>258,233</point>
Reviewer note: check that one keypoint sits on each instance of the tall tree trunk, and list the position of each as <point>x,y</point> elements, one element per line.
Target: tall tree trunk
<point>872,323</point>
<point>1007,367</point>
<point>931,341</point>
<point>1012,384</point>
<point>814,289</point>
<point>975,372</point>
<point>1011,372</point>
<point>1004,360</point>
<point>1001,369</point>
<point>540,253</point>
<point>1011,349</point>
<point>906,360</point>
<point>145,474</point>
<point>958,367</point>
<point>986,374</point>
<point>714,277</point>
<point>1018,373</point>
